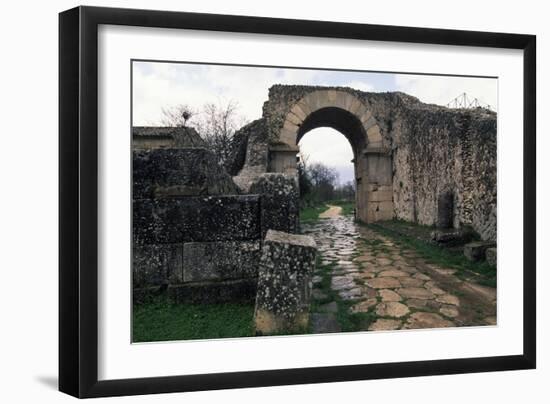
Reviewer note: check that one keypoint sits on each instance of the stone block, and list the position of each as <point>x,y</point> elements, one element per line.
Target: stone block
<point>491,256</point>
<point>184,219</point>
<point>284,283</point>
<point>157,264</point>
<point>279,202</point>
<point>178,172</point>
<point>475,251</point>
<point>380,196</point>
<point>235,291</point>
<point>220,260</point>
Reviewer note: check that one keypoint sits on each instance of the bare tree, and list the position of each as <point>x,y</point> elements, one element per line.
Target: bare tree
<point>177,115</point>
<point>217,123</point>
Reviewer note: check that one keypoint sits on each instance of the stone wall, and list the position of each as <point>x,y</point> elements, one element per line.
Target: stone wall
<point>439,151</point>
<point>407,153</point>
<point>194,233</point>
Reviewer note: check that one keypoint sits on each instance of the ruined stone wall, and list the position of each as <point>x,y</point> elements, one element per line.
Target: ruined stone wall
<point>437,150</point>
<point>433,150</point>
<point>194,233</point>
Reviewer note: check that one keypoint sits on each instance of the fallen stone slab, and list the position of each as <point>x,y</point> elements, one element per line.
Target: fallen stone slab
<point>475,251</point>
<point>450,237</point>
<point>284,283</point>
<point>491,256</point>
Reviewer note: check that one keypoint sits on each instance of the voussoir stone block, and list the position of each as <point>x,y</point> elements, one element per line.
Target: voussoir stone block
<point>284,283</point>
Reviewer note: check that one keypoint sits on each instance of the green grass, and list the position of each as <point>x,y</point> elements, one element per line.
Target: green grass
<point>160,320</point>
<point>448,258</point>
<point>311,214</point>
<point>348,321</point>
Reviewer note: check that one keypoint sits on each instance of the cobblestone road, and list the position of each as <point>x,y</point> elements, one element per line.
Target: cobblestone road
<point>385,286</point>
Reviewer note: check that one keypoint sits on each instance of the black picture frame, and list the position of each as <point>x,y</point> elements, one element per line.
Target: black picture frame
<point>78,201</point>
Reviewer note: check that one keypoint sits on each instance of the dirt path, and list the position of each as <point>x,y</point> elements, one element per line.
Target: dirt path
<point>331,212</point>
<point>385,285</point>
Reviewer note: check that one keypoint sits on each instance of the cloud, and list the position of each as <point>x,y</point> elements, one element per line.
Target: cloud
<point>442,89</point>
<point>158,85</point>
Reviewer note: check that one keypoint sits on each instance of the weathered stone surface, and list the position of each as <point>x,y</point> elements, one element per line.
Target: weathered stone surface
<point>279,200</point>
<point>421,276</point>
<point>427,320</point>
<point>363,306</point>
<point>383,283</point>
<point>411,282</point>
<point>178,172</point>
<point>154,137</point>
<point>331,307</point>
<point>415,293</point>
<point>393,273</point>
<point>475,251</point>
<point>324,323</point>
<point>239,153</point>
<point>448,299</point>
<point>423,304</point>
<point>157,264</point>
<point>389,295</point>
<point>491,256</point>
<point>220,260</point>
<point>342,282</point>
<point>284,283</point>
<point>242,290</point>
<point>208,218</point>
<point>384,324</point>
<point>449,311</point>
<point>350,294</point>
<point>392,309</point>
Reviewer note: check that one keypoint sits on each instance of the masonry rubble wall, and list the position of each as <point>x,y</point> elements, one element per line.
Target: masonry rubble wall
<point>194,233</point>
<point>432,150</point>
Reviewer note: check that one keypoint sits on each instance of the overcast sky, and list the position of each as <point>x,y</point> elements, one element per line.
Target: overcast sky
<point>157,85</point>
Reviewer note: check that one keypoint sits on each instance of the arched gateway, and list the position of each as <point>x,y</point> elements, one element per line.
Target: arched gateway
<point>406,153</point>
<point>344,111</point>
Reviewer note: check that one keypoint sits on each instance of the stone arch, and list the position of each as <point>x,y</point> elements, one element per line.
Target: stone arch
<point>348,114</point>
<point>329,99</point>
